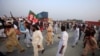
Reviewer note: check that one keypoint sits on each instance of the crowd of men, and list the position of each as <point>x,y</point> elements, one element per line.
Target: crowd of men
<point>12,29</point>
<point>90,34</point>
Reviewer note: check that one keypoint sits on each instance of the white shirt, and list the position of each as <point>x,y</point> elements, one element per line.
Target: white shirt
<point>76,32</point>
<point>2,34</point>
<point>15,26</point>
<point>63,42</point>
<point>64,38</point>
<point>37,37</point>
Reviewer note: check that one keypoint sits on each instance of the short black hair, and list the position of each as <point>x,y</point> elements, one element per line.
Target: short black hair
<point>35,26</point>
<point>62,28</point>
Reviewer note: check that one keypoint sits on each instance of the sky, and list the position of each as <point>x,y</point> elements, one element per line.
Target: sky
<point>57,9</point>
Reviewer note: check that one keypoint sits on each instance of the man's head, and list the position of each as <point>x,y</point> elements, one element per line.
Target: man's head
<point>62,28</point>
<point>35,27</point>
<point>9,25</point>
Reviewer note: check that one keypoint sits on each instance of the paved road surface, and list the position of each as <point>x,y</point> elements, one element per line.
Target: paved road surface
<point>50,50</point>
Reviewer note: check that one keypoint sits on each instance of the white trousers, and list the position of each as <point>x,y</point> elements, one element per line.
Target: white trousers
<point>63,51</point>
<point>75,40</point>
<point>36,49</point>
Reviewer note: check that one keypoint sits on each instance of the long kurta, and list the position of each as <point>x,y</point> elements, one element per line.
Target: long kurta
<point>28,37</point>
<point>12,41</point>
<point>89,47</point>
<point>75,36</point>
<point>63,42</point>
<point>37,39</point>
<point>49,37</point>
<point>12,37</point>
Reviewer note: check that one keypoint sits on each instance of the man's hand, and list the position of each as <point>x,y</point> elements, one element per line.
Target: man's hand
<point>59,37</point>
<point>30,39</point>
<point>38,46</point>
<point>60,52</point>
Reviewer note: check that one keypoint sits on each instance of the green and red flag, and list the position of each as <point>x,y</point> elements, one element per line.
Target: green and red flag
<point>32,17</point>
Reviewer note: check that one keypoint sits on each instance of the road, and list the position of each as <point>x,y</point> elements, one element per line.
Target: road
<point>50,50</point>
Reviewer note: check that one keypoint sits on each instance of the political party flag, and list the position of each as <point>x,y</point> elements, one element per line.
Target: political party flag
<point>32,17</point>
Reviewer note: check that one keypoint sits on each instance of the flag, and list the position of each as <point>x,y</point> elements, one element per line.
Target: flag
<point>32,17</point>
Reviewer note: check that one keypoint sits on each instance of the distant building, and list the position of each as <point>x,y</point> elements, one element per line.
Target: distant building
<point>75,21</point>
<point>42,15</point>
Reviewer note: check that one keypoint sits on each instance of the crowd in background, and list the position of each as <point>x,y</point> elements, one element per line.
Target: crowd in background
<point>11,29</point>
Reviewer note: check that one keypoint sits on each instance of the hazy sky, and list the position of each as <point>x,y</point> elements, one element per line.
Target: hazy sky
<point>58,9</point>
